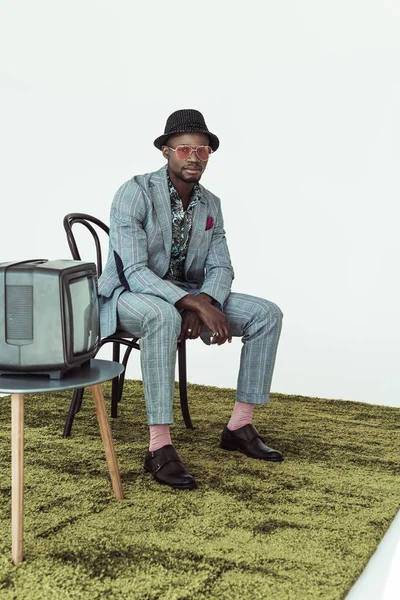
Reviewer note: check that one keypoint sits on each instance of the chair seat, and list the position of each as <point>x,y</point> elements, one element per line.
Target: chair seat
<point>121,337</point>
<point>120,333</point>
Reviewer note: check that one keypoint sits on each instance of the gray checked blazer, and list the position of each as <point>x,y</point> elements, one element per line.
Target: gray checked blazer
<point>140,247</point>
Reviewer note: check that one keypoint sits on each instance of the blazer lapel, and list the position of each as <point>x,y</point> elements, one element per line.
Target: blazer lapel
<point>162,206</point>
<point>197,233</point>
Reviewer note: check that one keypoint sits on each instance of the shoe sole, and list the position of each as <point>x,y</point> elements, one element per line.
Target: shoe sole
<point>175,487</point>
<point>234,448</point>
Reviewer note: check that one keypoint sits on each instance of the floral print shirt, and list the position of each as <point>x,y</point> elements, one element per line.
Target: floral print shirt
<point>181,228</point>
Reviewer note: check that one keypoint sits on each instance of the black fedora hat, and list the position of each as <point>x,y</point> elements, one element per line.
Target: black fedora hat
<point>186,120</point>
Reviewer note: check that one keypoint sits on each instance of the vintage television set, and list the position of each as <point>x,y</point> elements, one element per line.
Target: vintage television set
<point>49,319</point>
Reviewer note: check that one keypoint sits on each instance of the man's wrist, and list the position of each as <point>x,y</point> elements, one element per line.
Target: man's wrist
<point>188,302</point>
<point>206,297</point>
<point>193,302</point>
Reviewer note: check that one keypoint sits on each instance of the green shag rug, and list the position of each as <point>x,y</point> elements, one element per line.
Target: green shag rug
<point>301,529</point>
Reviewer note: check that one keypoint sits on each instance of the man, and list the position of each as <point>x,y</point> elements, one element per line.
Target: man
<point>168,276</point>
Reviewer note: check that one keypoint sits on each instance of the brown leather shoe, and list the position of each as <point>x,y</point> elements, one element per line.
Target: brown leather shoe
<point>167,469</point>
<point>246,439</point>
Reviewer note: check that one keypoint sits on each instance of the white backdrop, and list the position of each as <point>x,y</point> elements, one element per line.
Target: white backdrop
<point>304,96</point>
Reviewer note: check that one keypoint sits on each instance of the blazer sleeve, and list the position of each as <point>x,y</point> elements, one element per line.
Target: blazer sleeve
<point>219,271</point>
<point>128,240</point>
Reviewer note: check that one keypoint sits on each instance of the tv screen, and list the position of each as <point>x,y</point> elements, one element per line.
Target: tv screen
<point>49,318</point>
<point>81,295</point>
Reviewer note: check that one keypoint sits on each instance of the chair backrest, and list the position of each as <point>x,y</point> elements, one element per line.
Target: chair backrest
<point>88,221</point>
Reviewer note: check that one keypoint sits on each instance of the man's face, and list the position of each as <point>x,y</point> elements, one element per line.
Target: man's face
<point>191,169</point>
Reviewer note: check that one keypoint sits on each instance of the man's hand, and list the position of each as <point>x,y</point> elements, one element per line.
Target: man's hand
<point>216,322</point>
<point>191,326</point>
<point>213,318</point>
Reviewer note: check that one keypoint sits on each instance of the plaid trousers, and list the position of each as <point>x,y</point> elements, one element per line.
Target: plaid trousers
<point>158,323</point>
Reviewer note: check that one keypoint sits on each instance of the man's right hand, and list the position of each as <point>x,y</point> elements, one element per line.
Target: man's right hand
<point>213,318</point>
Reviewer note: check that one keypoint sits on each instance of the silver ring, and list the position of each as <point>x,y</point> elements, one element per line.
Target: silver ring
<point>189,331</point>
<point>216,334</point>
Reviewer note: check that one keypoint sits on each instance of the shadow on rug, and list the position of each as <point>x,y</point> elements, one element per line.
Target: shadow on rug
<point>301,529</point>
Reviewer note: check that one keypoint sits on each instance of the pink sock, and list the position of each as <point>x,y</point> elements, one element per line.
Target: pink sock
<point>242,414</point>
<point>159,437</point>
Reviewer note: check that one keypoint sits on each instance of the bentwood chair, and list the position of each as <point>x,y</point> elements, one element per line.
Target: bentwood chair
<point>120,337</point>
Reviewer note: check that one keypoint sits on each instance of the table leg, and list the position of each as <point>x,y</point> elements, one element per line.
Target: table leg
<point>106,436</point>
<point>17,461</point>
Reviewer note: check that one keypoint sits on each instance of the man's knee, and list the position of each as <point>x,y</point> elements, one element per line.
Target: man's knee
<point>267,310</point>
<point>165,316</point>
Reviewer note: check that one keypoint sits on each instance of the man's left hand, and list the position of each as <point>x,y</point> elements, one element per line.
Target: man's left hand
<point>191,326</point>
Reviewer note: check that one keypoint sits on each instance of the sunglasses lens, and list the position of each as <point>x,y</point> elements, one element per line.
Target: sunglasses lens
<point>203,152</point>
<point>183,152</point>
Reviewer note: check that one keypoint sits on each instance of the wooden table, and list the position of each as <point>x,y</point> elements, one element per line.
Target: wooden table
<point>87,376</point>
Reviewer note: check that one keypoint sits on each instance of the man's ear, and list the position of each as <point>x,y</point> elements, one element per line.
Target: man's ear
<point>165,151</point>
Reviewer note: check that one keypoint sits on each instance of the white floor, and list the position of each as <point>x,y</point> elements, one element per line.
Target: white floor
<point>380,579</point>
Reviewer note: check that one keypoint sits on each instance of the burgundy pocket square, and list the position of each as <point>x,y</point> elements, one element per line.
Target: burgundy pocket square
<point>209,223</point>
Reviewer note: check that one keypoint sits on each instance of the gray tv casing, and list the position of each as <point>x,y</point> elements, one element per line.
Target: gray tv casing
<point>45,314</point>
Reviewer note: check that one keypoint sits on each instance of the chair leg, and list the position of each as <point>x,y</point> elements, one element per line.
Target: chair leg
<point>115,383</point>
<point>182,384</point>
<point>74,408</point>
<point>121,379</point>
